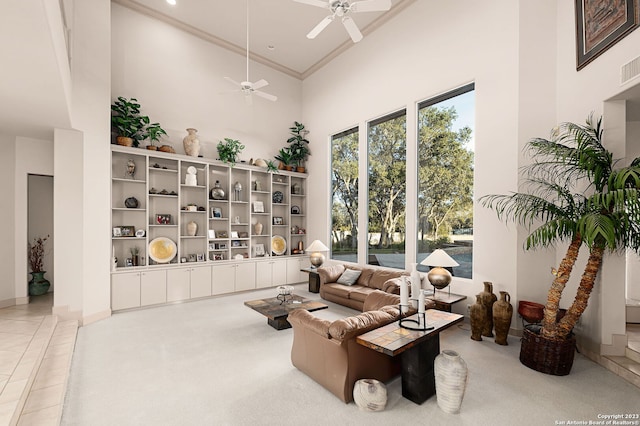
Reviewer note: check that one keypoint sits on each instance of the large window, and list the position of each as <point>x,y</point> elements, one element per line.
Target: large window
<point>445,177</point>
<point>387,170</point>
<point>344,190</point>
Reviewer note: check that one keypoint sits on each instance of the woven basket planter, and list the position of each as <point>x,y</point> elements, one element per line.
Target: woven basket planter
<point>547,356</point>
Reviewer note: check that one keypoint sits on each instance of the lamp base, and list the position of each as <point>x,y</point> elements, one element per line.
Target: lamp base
<point>316,259</point>
<point>439,277</point>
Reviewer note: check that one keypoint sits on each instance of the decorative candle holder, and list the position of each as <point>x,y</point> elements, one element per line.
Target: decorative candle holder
<point>420,324</point>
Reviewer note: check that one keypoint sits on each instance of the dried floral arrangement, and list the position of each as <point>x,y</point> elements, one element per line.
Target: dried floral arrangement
<point>36,253</point>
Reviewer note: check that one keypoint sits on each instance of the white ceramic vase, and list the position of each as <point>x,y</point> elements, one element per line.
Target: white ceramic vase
<point>191,143</point>
<point>370,395</point>
<point>451,380</point>
<point>258,228</point>
<point>192,228</point>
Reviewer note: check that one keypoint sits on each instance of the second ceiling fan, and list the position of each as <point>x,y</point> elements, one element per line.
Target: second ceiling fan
<point>342,9</point>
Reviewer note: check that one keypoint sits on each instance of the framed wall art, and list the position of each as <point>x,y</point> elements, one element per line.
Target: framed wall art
<point>600,24</point>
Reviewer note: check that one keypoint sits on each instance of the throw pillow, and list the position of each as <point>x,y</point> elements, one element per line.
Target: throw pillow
<point>349,277</point>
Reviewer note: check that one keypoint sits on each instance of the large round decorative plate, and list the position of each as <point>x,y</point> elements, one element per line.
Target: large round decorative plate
<point>162,250</point>
<point>278,197</point>
<point>278,245</point>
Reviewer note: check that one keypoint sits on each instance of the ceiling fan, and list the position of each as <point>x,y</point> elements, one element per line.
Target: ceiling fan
<point>342,9</point>
<point>247,88</point>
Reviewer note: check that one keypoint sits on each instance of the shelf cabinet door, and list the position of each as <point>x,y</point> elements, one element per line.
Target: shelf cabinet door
<point>200,282</point>
<point>223,279</point>
<point>125,291</point>
<point>279,272</point>
<point>245,276</point>
<point>153,288</point>
<point>178,284</point>
<point>294,275</point>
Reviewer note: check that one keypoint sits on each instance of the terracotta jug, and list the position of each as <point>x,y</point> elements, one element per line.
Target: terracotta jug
<point>488,299</point>
<point>502,313</point>
<point>477,317</point>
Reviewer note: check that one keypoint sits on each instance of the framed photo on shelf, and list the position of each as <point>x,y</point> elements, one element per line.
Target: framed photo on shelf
<point>117,232</point>
<point>212,246</point>
<point>222,234</point>
<point>192,258</point>
<point>258,250</point>
<point>243,234</point>
<point>163,219</point>
<point>234,234</point>
<point>258,207</point>
<point>200,257</point>
<point>128,262</point>
<point>211,233</point>
<point>128,231</point>
<point>216,212</point>
<point>218,256</point>
<point>221,246</point>
<point>183,260</point>
<point>235,243</point>
<point>277,220</point>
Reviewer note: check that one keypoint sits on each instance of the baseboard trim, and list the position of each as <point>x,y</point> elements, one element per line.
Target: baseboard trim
<point>98,316</point>
<point>616,348</point>
<point>64,313</point>
<point>7,303</point>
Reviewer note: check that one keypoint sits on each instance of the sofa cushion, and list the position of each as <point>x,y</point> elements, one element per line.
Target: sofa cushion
<point>365,276</point>
<point>330,273</point>
<point>377,299</point>
<point>360,292</point>
<point>349,277</point>
<point>337,290</point>
<point>311,322</point>
<point>347,328</point>
<point>380,276</point>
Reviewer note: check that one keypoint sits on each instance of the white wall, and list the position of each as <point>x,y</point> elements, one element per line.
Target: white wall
<point>430,48</point>
<point>179,80</point>
<point>7,216</point>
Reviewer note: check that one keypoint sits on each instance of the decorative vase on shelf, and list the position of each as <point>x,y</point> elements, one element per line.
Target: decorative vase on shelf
<point>191,143</point>
<point>416,284</point>
<point>192,228</point>
<point>477,317</point>
<point>451,380</point>
<point>502,313</point>
<point>38,284</point>
<point>217,193</point>
<point>258,228</point>
<point>488,299</point>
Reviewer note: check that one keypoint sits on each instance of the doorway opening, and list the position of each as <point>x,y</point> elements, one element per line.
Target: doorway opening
<point>40,226</point>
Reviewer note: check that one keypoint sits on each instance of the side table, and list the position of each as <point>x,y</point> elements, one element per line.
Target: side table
<point>314,279</point>
<point>444,300</point>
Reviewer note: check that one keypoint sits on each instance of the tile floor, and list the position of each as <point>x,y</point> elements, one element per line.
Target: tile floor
<point>35,355</point>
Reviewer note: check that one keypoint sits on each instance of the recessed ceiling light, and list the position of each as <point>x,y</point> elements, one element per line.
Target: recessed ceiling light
<point>171,2</point>
<point>271,47</point>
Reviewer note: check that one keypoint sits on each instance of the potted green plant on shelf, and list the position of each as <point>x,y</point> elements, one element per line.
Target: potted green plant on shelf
<point>271,167</point>
<point>38,284</point>
<point>153,132</point>
<point>229,150</point>
<point>299,146</point>
<point>127,121</point>
<point>284,157</point>
<point>603,217</point>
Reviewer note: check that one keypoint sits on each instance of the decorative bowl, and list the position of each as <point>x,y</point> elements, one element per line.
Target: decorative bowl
<point>531,311</point>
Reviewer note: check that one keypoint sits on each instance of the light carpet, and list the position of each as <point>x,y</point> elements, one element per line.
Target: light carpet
<point>217,362</point>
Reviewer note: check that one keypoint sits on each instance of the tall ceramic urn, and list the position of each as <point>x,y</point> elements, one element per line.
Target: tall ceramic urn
<point>502,313</point>
<point>451,380</point>
<point>191,143</point>
<point>488,299</point>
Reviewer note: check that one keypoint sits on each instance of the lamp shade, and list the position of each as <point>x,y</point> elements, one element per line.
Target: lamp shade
<point>317,245</point>
<point>440,258</point>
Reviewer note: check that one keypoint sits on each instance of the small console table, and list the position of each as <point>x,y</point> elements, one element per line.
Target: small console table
<point>314,279</point>
<point>444,300</point>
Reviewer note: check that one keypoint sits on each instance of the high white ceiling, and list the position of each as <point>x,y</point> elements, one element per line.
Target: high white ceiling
<point>282,24</point>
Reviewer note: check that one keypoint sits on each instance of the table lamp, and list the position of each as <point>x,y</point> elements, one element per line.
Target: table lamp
<point>316,257</point>
<point>438,276</point>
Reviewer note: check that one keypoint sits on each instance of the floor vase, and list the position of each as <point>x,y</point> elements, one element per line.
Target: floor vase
<point>502,313</point>
<point>191,143</point>
<point>488,299</point>
<point>38,284</point>
<point>451,380</point>
<point>370,395</point>
<point>477,317</point>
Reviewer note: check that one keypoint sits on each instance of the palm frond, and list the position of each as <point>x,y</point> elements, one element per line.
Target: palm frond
<point>549,232</point>
<point>598,230</point>
<point>523,209</point>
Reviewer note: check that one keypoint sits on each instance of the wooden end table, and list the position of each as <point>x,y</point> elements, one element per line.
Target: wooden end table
<point>277,311</point>
<point>417,349</point>
<point>314,279</point>
<point>444,300</point>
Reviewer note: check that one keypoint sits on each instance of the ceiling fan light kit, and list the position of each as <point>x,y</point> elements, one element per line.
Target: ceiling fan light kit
<point>342,9</point>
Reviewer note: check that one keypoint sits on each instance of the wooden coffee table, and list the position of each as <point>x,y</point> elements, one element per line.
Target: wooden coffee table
<point>417,350</point>
<point>277,311</point>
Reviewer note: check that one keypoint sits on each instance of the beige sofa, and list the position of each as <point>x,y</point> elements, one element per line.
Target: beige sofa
<point>328,352</point>
<point>353,296</point>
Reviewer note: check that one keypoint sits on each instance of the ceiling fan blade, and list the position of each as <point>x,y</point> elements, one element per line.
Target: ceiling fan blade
<point>268,96</point>
<point>230,80</point>
<point>321,26</point>
<point>260,84</point>
<point>370,5</point>
<point>352,29</point>
<point>318,3</point>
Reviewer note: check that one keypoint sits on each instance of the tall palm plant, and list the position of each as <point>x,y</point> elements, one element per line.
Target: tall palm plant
<point>573,193</point>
